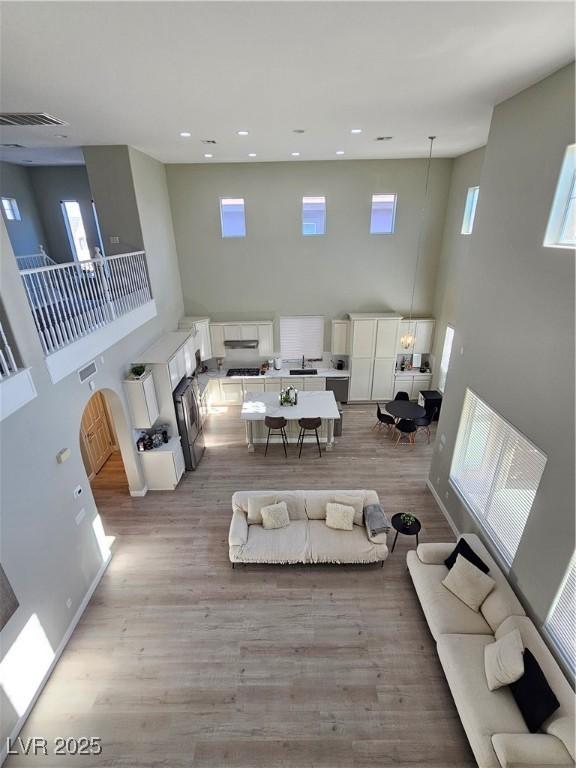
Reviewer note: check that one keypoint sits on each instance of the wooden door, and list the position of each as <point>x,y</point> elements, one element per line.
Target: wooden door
<point>96,432</point>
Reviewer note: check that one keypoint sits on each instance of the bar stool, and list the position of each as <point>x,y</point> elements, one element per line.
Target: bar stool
<point>309,424</point>
<point>276,424</point>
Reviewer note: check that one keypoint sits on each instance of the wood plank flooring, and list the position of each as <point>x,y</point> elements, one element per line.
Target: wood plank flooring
<point>181,661</point>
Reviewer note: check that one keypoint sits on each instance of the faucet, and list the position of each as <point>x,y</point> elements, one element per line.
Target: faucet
<point>303,363</point>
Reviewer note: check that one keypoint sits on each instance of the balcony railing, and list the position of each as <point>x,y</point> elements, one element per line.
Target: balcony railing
<point>8,364</point>
<point>71,300</point>
<point>34,260</point>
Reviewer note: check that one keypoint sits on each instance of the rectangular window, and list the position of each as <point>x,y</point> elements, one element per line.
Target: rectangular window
<point>470,210</point>
<point>560,625</point>
<point>445,361</point>
<point>561,229</point>
<point>75,229</point>
<point>383,214</point>
<point>314,215</point>
<point>11,210</point>
<point>301,336</point>
<point>232,217</point>
<point>496,470</point>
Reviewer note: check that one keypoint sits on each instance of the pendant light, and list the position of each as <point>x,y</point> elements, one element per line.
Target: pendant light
<point>407,339</point>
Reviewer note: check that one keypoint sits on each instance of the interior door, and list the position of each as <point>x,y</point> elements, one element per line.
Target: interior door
<point>96,432</point>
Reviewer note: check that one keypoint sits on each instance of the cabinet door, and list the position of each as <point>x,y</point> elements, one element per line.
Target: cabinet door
<point>232,393</point>
<point>403,384</point>
<point>405,326</point>
<point>424,335</point>
<point>314,384</point>
<point>248,332</point>
<point>293,381</point>
<point>272,385</point>
<point>175,366</point>
<point>340,331</point>
<point>150,399</point>
<point>361,378</point>
<point>387,337</point>
<point>265,339</point>
<point>232,332</point>
<point>178,458</point>
<point>205,346</point>
<point>421,383</point>
<point>190,356</point>
<point>213,392</point>
<point>217,340</point>
<point>363,338</point>
<point>383,378</point>
<point>253,385</point>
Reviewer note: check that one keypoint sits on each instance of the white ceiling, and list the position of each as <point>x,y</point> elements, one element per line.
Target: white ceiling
<point>139,73</point>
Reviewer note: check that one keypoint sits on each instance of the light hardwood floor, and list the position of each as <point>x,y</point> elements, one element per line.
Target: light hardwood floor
<point>181,661</point>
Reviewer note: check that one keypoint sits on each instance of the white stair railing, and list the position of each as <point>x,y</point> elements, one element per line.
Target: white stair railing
<point>71,300</point>
<point>34,260</point>
<point>8,364</point>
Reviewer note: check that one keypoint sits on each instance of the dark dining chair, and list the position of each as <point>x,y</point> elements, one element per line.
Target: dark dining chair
<point>424,422</point>
<point>402,396</point>
<point>309,425</point>
<point>406,428</point>
<point>276,424</point>
<point>383,419</point>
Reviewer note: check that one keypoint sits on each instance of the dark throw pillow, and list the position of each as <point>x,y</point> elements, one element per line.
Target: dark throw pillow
<point>464,549</point>
<point>535,698</point>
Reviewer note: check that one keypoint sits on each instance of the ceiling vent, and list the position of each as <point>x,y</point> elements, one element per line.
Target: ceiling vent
<point>87,372</point>
<point>29,118</point>
<point>12,146</point>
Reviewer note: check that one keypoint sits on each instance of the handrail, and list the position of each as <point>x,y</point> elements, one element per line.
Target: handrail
<point>8,365</point>
<point>65,264</point>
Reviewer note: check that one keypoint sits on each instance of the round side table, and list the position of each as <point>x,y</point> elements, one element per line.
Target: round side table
<point>400,526</point>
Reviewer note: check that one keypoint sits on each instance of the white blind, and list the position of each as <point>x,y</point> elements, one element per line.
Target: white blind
<point>301,336</point>
<point>497,471</point>
<point>561,621</point>
<point>445,361</point>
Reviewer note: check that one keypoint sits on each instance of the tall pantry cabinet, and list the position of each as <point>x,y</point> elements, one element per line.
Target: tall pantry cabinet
<point>373,345</point>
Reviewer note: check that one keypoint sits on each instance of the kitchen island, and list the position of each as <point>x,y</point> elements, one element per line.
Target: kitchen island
<point>258,405</point>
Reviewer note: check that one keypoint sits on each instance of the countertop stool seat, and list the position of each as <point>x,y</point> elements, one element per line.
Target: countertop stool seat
<point>276,424</point>
<point>309,425</point>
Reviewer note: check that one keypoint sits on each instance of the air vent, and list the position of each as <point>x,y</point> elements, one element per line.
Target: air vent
<point>29,118</point>
<point>208,141</point>
<point>87,372</point>
<point>12,146</point>
<point>383,138</point>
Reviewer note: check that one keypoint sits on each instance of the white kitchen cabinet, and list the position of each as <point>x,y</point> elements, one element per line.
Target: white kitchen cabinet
<point>363,338</point>
<point>213,393</point>
<point>419,384</point>
<point>205,345</point>
<point>424,336</point>
<point>412,383</point>
<point>177,367</point>
<point>141,394</point>
<point>340,337</point>
<point>383,378</point>
<point>314,384</point>
<point>293,381</point>
<point>361,370</point>
<point>190,348</point>
<point>272,385</point>
<point>164,466</point>
<point>217,340</point>
<point>231,392</point>
<point>253,384</point>
<point>265,339</point>
<point>403,384</point>
<point>387,337</point>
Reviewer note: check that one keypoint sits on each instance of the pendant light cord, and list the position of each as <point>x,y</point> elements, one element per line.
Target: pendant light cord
<point>421,232</point>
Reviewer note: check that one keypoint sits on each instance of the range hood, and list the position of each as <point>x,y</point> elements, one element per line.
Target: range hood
<point>241,343</point>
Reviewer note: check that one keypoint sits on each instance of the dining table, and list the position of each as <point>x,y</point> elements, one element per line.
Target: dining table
<point>405,409</point>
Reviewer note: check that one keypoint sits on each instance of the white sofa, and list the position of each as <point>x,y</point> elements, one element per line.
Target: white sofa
<point>495,728</point>
<point>307,539</point>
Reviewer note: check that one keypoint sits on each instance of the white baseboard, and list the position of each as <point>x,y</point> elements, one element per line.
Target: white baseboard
<point>139,492</point>
<point>443,509</point>
<point>58,652</point>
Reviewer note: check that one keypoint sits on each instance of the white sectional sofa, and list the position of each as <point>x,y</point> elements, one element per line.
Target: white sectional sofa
<point>493,723</point>
<point>307,539</point>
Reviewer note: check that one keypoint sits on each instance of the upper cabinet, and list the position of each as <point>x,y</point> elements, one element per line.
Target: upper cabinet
<point>217,340</point>
<point>423,330</point>
<point>340,337</point>
<point>262,332</point>
<point>266,339</point>
<point>199,328</point>
<point>386,337</point>
<point>363,338</point>
<point>373,349</point>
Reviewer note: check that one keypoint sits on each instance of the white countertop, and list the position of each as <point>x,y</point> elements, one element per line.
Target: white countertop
<point>258,405</point>
<point>413,372</point>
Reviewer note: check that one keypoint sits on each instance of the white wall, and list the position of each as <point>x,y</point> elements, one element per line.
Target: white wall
<point>25,235</point>
<point>515,325</point>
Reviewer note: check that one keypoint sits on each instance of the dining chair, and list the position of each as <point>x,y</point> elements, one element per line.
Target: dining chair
<point>383,419</point>
<point>402,396</point>
<point>406,428</point>
<point>424,422</point>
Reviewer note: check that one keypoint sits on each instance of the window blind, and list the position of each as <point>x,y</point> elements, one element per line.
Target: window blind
<point>301,336</point>
<point>497,471</point>
<point>445,360</point>
<point>561,622</point>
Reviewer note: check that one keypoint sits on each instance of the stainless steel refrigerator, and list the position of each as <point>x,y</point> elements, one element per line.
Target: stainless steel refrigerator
<point>188,416</point>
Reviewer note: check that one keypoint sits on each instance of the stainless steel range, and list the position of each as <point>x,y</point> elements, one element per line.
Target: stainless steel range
<point>243,372</point>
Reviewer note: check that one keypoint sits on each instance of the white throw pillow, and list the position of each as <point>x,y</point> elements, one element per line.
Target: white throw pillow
<point>255,504</point>
<point>354,500</point>
<point>468,583</point>
<point>340,516</point>
<point>504,660</point>
<point>275,516</point>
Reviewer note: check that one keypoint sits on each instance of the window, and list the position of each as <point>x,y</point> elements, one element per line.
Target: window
<point>445,361</point>
<point>383,214</point>
<point>470,210</point>
<point>560,624</point>
<point>496,471</point>
<point>561,229</point>
<point>301,336</point>
<point>75,230</point>
<point>11,210</point>
<point>232,217</point>
<point>314,215</point>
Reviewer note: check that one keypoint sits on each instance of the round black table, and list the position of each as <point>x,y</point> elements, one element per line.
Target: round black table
<point>408,530</point>
<point>405,409</point>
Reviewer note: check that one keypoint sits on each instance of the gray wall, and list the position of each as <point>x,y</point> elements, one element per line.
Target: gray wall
<point>25,235</point>
<point>275,269</point>
<point>515,325</point>
<point>46,556</point>
<point>465,174</point>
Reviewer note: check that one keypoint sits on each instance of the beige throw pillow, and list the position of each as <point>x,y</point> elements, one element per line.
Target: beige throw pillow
<point>504,660</point>
<point>255,504</point>
<point>340,516</point>
<point>275,516</point>
<point>468,583</point>
<point>354,500</point>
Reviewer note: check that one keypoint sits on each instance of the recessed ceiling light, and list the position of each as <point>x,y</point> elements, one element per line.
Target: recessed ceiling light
<point>295,154</point>
<point>251,154</point>
<point>185,134</point>
<point>339,151</point>
<point>242,133</point>
<point>356,130</point>
<point>208,154</point>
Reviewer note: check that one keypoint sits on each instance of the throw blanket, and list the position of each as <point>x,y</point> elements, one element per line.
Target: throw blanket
<point>376,519</point>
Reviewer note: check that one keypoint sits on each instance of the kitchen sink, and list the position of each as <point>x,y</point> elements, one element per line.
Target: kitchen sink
<point>303,372</point>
